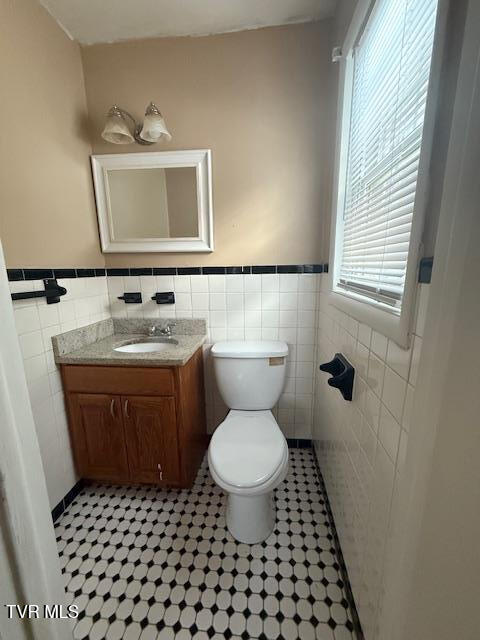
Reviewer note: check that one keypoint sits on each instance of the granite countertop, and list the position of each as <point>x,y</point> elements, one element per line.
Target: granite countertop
<point>94,344</point>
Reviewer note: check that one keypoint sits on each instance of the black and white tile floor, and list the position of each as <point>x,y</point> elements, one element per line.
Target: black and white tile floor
<point>148,564</point>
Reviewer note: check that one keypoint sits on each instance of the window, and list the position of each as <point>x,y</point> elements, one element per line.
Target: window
<point>385,96</point>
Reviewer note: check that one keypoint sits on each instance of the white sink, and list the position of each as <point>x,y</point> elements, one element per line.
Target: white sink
<point>146,346</point>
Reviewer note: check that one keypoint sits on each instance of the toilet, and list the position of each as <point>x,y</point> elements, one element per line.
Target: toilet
<point>248,453</point>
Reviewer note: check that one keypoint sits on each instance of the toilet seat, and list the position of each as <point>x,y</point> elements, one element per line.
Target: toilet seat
<point>248,453</point>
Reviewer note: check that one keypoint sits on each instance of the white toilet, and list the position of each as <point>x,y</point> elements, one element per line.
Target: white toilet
<point>248,454</point>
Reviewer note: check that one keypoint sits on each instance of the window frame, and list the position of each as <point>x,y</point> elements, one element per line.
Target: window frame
<point>393,325</point>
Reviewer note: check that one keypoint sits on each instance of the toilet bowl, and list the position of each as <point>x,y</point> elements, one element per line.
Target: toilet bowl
<point>248,454</point>
<point>248,459</point>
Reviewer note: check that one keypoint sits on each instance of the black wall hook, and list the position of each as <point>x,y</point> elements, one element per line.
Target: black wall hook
<point>342,375</point>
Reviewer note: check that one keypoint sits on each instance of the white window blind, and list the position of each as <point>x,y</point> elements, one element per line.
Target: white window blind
<point>390,81</point>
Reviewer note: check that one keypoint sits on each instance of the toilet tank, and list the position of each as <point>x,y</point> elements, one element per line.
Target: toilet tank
<point>250,375</point>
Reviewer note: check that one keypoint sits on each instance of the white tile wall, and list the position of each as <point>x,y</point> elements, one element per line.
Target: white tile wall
<point>361,444</point>
<point>241,307</point>
<point>86,301</point>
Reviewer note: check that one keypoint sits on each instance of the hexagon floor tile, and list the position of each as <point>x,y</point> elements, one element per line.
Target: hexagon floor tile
<point>144,563</point>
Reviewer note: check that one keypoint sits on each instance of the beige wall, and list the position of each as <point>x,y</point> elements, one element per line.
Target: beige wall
<point>259,100</point>
<point>47,213</point>
<point>182,201</point>
<point>138,203</point>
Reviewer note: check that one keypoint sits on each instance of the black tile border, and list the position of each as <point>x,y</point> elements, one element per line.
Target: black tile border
<point>58,510</point>
<point>67,500</point>
<point>313,268</point>
<point>357,627</point>
<point>141,271</point>
<point>37,274</point>
<point>163,271</point>
<point>290,268</point>
<point>65,273</point>
<point>425,270</point>
<point>188,271</point>
<point>40,274</point>
<point>85,273</point>
<point>15,275</point>
<point>299,443</point>
<point>214,270</point>
<point>219,270</point>
<point>264,269</point>
<point>118,272</point>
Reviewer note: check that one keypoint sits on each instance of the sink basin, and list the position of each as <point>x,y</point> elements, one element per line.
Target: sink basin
<point>147,345</point>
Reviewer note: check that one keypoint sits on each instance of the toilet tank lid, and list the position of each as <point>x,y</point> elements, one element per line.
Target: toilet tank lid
<point>250,349</point>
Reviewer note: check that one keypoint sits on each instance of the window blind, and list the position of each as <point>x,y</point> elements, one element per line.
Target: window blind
<point>390,82</point>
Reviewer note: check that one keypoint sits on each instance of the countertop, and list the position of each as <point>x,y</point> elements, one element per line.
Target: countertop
<point>95,344</point>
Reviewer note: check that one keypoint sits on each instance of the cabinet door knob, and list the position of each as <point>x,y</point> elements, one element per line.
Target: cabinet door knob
<point>112,408</point>
<point>125,408</point>
<point>160,472</point>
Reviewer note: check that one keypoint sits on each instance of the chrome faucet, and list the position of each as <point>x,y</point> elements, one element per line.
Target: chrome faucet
<point>164,331</point>
<point>167,329</point>
<point>152,330</point>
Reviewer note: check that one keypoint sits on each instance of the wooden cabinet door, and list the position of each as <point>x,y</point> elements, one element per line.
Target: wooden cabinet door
<point>151,437</point>
<point>98,436</point>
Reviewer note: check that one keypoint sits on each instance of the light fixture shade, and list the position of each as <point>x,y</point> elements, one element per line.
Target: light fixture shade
<point>116,129</point>
<point>154,127</point>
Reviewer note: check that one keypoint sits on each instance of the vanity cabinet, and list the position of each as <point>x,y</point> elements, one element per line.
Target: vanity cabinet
<point>151,437</point>
<point>137,424</point>
<point>98,435</point>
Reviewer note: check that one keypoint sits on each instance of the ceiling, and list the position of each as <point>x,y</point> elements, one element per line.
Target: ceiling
<point>93,21</point>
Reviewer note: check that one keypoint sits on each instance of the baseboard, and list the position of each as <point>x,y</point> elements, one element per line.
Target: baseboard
<point>296,443</point>
<point>299,443</point>
<point>357,627</point>
<point>67,500</point>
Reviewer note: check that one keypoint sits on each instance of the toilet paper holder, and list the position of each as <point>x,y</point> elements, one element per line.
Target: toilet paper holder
<point>342,375</point>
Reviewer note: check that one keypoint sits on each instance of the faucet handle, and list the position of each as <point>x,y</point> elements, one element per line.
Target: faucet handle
<point>166,330</point>
<point>152,330</point>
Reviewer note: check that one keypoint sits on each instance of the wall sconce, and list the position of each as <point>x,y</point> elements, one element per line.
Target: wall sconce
<point>118,131</point>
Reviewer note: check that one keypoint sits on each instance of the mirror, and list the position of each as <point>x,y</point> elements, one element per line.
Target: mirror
<point>150,202</point>
<point>153,203</point>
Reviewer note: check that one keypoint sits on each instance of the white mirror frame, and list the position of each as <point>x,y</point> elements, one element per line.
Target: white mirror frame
<point>200,159</point>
